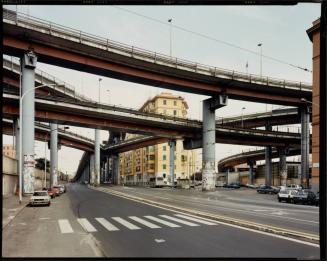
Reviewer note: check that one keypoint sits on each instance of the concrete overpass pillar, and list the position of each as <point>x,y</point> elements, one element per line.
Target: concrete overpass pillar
<point>92,171</point>
<point>172,148</point>
<point>283,166</point>
<point>53,154</point>
<point>305,145</point>
<point>209,140</point>
<point>97,169</point>
<point>115,169</point>
<point>251,164</point>
<point>28,116</point>
<point>268,166</point>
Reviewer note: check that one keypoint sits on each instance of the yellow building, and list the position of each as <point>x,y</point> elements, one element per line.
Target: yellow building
<point>138,166</point>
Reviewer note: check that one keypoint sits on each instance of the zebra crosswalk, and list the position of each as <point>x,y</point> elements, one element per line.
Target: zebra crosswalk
<point>133,223</point>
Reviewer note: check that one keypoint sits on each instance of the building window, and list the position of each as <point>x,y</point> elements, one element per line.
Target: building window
<point>164,148</point>
<point>164,102</point>
<point>175,103</point>
<point>164,175</point>
<point>175,112</point>
<point>163,166</point>
<point>164,157</point>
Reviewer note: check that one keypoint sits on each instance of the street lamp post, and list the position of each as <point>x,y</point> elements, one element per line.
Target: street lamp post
<point>100,79</point>
<point>260,45</point>
<point>170,36</point>
<point>242,117</point>
<point>21,136</point>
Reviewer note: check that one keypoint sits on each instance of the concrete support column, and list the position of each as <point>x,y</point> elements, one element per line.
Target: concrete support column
<point>172,148</point>
<point>115,170</point>
<point>53,154</point>
<point>282,167</point>
<point>28,115</point>
<point>97,157</point>
<point>268,164</point>
<point>208,144</point>
<point>92,171</point>
<point>251,164</point>
<point>305,145</point>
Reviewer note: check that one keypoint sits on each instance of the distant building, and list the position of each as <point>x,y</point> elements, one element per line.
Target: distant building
<point>8,150</point>
<point>138,166</point>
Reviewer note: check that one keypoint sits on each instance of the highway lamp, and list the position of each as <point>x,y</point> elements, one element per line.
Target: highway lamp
<point>108,91</point>
<point>242,117</point>
<point>170,36</point>
<point>100,79</point>
<point>260,45</point>
<point>304,100</point>
<point>21,165</point>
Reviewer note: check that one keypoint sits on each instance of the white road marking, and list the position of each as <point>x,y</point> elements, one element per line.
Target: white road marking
<point>107,224</point>
<point>180,221</point>
<point>196,220</point>
<point>86,225</point>
<point>65,226</point>
<point>144,222</point>
<point>160,240</point>
<point>125,223</point>
<point>169,224</point>
<point>11,217</point>
<point>44,218</point>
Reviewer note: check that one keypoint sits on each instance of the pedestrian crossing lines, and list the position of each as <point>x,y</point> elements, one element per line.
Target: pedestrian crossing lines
<point>133,223</point>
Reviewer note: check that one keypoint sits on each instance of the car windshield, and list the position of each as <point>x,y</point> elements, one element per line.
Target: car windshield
<point>283,192</point>
<point>40,193</point>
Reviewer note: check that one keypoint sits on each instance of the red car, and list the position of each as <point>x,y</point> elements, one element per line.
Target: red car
<point>51,192</point>
<point>56,191</point>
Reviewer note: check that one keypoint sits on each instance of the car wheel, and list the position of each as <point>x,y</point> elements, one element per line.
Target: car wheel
<point>279,200</point>
<point>49,204</point>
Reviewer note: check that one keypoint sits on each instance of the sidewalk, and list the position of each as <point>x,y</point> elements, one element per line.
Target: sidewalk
<point>11,208</point>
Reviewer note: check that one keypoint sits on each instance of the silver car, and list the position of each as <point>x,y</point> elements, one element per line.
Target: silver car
<point>40,198</point>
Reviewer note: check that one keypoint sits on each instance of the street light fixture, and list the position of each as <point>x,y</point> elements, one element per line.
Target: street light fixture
<point>170,34</point>
<point>100,79</point>
<point>22,96</point>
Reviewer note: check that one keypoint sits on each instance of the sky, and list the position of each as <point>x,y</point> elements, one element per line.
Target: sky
<point>280,29</point>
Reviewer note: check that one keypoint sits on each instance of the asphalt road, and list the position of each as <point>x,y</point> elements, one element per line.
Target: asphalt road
<point>85,222</point>
<point>245,204</point>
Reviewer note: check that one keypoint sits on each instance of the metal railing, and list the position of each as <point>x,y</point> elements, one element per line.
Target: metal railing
<point>54,29</point>
<point>42,77</point>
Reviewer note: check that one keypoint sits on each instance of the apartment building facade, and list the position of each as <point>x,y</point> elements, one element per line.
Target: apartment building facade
<point>138,166</point>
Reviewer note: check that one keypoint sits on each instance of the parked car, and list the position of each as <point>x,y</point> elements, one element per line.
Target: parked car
<point>317,199</point>
<point>265,189</point>
<point>305,197</point>
<point>294,186</point>
<point>51,192</point>
<point>232,185</point>
<point>252,186</point>
<point>40,198</point>
<point>286,195</point>
<point>61,189</point>
<point>56,191</point>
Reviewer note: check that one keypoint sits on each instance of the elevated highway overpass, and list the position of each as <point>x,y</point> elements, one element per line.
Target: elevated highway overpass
<point>70,48</point>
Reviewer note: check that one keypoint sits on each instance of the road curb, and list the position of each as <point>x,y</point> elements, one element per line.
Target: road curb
<point>242,223</point>
<point>4,226</point>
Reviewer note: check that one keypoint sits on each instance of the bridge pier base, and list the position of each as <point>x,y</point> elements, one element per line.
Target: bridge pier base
<point>268,163</point>
<point>97,168</point>
<point>283,166</point>
<point>172,147</point>
<point>209,141</point>
<point>53,154</point>
<point>92,171</point>
<point>115,170</point>
<point>28,62</point>
<point>305,145</point>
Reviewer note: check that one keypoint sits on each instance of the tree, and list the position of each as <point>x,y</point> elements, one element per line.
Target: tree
<point>39,164</point>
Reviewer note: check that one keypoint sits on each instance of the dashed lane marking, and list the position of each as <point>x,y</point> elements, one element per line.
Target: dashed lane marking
<point>107,224</point>
<point>65,226</point>
<point>161,221</point>
<point>144,222</point>
<point>180,221</point>
<point>125,223</point>
<point>86,225</point>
